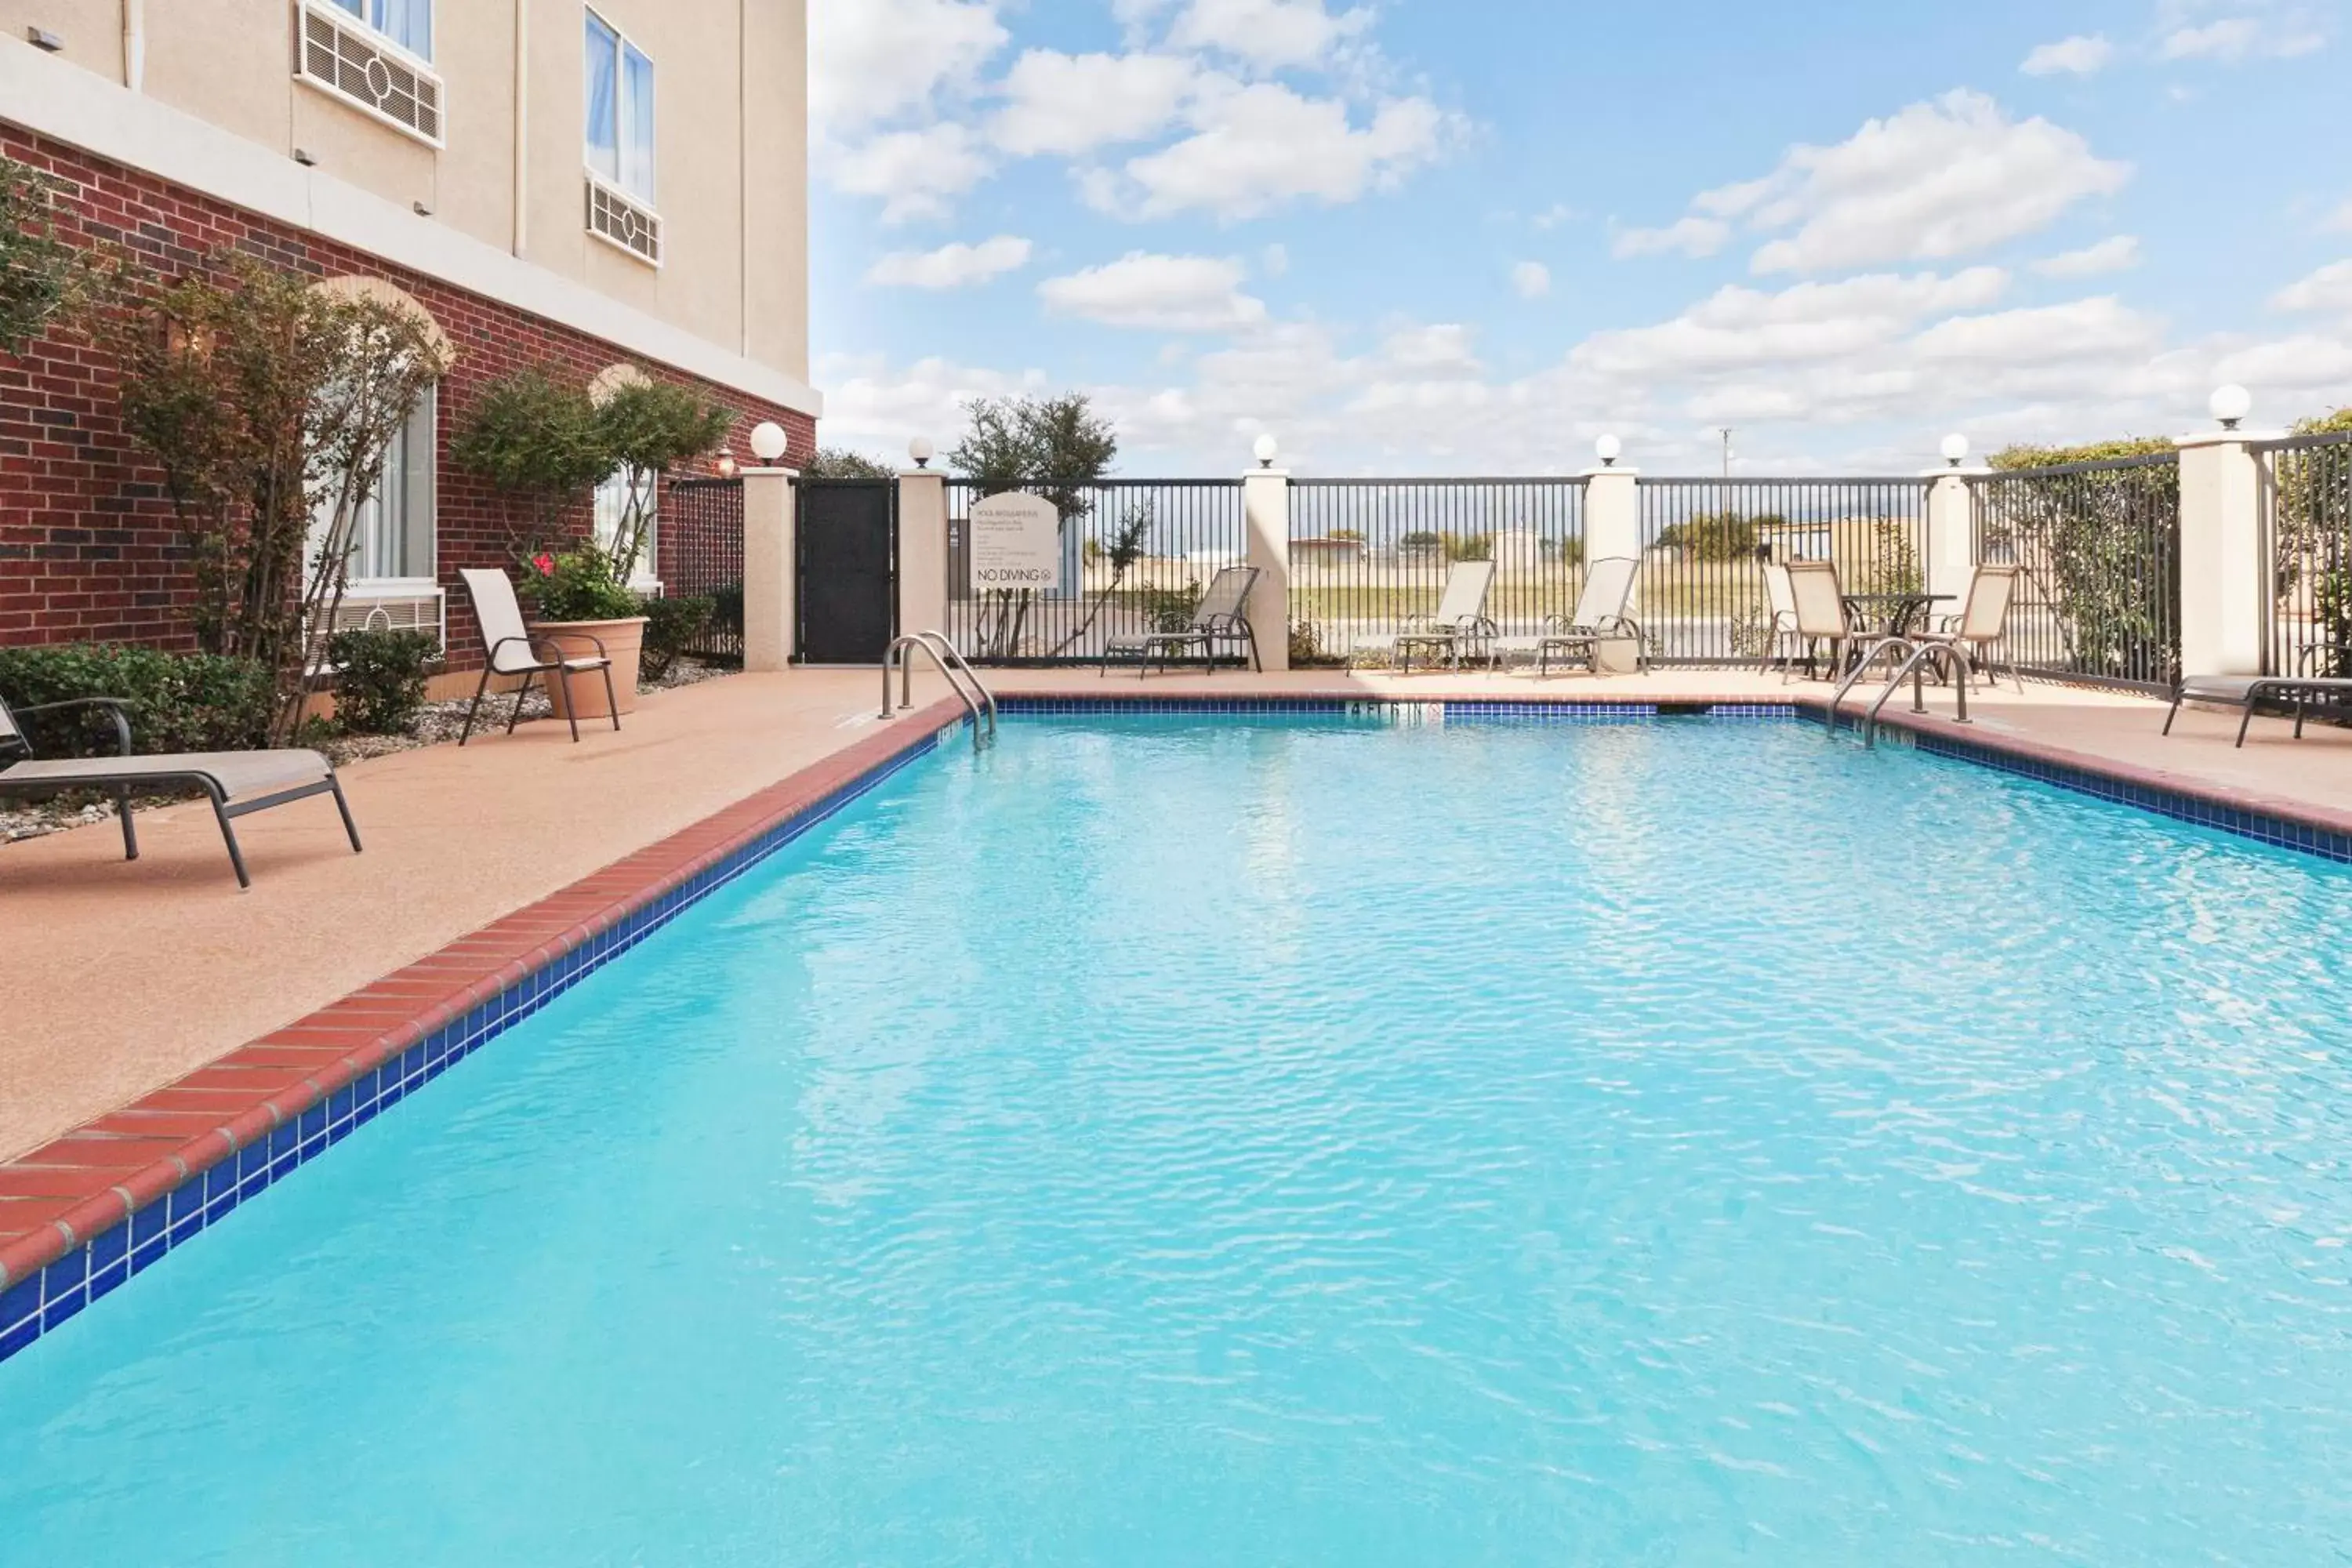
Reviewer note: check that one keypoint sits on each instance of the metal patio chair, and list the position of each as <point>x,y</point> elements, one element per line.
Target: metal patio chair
<point>1819,607</point>
<point>1600,617</point>
<point>1780,626</point>
<point>1221,616</point>
<point>1981,625</point>
<point>514,651</point>
<point>237,782</point>
<point>1457,627</point>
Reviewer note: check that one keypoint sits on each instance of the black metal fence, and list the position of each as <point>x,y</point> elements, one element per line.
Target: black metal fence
<point>1702,599</point>
<point>1368,554</point>
<point>2307,521</point>
<point>700,552</point>
<point>1136,555</point>
<point>2099,599</point>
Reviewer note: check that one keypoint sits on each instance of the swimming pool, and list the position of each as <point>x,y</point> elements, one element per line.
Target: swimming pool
<point>1184,1139</point>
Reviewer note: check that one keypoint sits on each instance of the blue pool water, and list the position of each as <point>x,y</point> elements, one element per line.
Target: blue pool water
<point>1168,1141</point>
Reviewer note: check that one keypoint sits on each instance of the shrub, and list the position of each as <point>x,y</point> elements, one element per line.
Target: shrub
<point>582,584</point>
<point>672,626</point>
<point>379,683</point>
<point>178,702</point>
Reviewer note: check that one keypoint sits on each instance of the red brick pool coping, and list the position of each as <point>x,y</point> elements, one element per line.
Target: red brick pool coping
<point>59,1196</point>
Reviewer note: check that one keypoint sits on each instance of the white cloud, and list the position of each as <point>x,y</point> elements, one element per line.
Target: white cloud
<point>1737,327</point>
<point>870,61</point>
<point>1693,236</point>
<point>1164,293</point>
<point>2119,254</point>
<point>1277,261</point>
<point>2327,291</point>
<point>1532,280</point>
<point>2078,55</point>
<point>916,173</point>
<point>868,404</point>
<point>1269,34</point>
<point>953,266</point>
<point>1445,348</point>
<point>1072,104</point>
<point>2340,220</point>
<point>2235,38</point>
<point>1257,147</point>
<point>1551,217</point>
<point>2100,329</point>
<point>1938,180</point>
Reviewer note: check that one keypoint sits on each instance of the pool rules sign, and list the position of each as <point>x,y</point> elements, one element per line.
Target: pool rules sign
<point>1017,542</point>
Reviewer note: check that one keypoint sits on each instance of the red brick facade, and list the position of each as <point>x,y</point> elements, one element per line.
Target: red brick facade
<point>88,548</point>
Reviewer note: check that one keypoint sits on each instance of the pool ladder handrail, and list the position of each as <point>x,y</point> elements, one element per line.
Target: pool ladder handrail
<point>978,700</point>
<point>1917,654</point>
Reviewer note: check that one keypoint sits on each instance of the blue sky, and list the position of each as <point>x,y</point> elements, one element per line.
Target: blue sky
<point>1449,235</point>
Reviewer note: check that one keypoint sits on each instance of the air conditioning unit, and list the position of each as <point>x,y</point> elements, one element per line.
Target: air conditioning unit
<point>616,220</point>
<point>339,55</point>
<point>407,612</point>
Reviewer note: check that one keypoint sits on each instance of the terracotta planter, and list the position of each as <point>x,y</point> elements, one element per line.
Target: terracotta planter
<point>622,639</point>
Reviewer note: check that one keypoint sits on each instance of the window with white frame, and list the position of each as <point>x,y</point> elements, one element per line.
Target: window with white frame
<point>620,112</point>
<point>408,22</point>
<point>613,499</point>
<point>392,542</point>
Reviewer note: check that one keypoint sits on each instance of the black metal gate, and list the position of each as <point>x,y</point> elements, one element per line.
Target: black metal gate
<point>698,553</point>
<point>847,570</point>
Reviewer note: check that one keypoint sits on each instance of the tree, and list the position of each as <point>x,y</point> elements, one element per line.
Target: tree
<point>1057,448</point>
<point>649,427</point>
<point>269,405</point>
<point>841,463</point>
<point>539,441</point>
<point>45,278</point>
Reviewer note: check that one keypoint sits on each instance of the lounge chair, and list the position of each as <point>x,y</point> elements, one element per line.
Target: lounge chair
<point>2248,693</point>
<point>1600,617</point>
<point>1459,625</point>
<point>1221,616</point>
<point>514,651</point>
<point>1980,626</point>
<point>237,782</point>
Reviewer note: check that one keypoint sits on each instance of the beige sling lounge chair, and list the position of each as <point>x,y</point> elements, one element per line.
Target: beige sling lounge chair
<point>514,651</point>
<point>237,782</point>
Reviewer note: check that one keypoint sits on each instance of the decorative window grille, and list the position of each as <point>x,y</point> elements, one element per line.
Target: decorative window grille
<point>342,57</point>
<point>616,219</point>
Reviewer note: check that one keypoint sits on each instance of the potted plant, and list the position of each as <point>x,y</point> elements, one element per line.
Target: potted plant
<point>577,599</point>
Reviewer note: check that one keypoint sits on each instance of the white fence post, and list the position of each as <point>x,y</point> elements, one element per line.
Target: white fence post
<point>922,552</point>
<point>1952,564</point>
<point>2224,577</point>
<point>1265,508</point>
<point>1612,514</point>
<point>770,613</point>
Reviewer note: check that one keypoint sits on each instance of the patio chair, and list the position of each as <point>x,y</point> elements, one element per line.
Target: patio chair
<point>1819,607</point>
<point>1600,615</point>
<point>1458,625</point>
<point>237,782</point>
<point>1780,626</point>
<point>2248,693</point>
<point>1221,616</point>
<point>514,651</point>
<point>1981,625</point>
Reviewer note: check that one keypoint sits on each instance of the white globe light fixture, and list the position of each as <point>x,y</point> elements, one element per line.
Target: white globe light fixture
<point>1266,448</point>
<point>768,441</point>
<point>2230,404</point>
<point>920,449</point>
<point>1956,449</point>
<point>1609,450</point>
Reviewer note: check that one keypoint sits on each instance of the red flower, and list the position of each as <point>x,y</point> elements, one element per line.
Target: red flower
<point>545,563</point>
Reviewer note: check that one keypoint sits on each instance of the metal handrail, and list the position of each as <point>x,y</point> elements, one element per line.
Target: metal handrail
<point>1869,657</point>
<point>1920,652</point>
<point>978,701</point>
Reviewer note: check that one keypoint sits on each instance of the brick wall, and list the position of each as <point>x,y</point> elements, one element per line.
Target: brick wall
<point>88,547</point>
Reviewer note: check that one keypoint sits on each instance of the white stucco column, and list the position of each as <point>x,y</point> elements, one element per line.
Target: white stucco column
<point>922,552</point>
<point>1612,514</point>
<point>770,609</point>
<point>1951,545</point>
<point>2224,578</point>
<point>1265,509</point>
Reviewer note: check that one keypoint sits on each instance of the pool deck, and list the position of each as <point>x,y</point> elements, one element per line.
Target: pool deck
<point>150,1006</point>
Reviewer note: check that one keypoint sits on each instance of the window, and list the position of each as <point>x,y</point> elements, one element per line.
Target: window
<point>612,501</point>
<point>408,22</point>
<point>393,537</point>
<point>620,112</point>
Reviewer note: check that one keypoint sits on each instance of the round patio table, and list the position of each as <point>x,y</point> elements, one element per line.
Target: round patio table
<point>1897,612</point>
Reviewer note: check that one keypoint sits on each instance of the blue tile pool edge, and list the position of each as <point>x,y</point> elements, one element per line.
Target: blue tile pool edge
<point>58,1292</point>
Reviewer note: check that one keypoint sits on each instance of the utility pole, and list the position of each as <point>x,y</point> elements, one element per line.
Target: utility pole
<point>1727,452</point>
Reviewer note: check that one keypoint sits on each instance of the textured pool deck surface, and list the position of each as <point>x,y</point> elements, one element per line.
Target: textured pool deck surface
<point>159,982</point>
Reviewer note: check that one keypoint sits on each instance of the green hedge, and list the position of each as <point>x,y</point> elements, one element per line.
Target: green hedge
<point>179,702</point>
